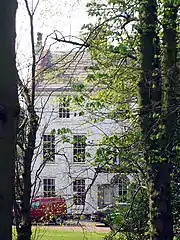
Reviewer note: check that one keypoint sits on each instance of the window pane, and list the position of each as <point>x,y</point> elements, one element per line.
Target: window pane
<point>49,187</point>
<point>123,190</point>
<point>45,181</point>
<point>79,191</point>
<point>79,144</point>
<point>64,105</point>
<point>48,147</point>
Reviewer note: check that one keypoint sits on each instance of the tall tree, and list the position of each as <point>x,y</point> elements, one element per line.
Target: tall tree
<point>24,230</point>
<point>9,111</point>
<point>150,87</point>
<point>158,88</point>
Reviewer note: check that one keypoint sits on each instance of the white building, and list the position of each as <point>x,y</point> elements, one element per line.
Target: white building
<point>65,168</point>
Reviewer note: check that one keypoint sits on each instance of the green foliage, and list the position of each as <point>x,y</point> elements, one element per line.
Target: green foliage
<point>131,220</point>
<point>115,49</point>
<point>64,131</point>
<point>120,153</point>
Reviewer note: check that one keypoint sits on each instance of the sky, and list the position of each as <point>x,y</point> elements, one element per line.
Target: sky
<point>66,16</point>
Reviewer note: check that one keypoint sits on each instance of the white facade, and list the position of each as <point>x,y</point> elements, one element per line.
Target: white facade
<point>62,174</point>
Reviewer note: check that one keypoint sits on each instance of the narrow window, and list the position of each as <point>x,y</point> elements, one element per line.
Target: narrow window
<point>104,195</point>
<point>123,186</point>
<point>49,148</point>
<point>120,185</point>
<point>79,192</point>
<point>79,144</point>
<point>49,187</point>
<point>64,105</point>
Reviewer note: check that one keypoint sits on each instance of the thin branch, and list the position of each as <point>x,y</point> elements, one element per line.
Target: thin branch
<point>33,68</point>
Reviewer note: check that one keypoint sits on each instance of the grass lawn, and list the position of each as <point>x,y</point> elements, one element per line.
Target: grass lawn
<point>60,234</point>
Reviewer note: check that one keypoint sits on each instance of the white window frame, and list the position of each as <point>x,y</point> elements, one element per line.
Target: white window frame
<point>79,148</point>
<point>103,199</point>
<point>49,187</point>
<point>64,107</point>
<point>49,147</point>
<point>79,187</point>
<point>123,189</point>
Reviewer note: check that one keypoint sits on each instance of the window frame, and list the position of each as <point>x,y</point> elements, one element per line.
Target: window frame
<point>79,148</point>
<point>123,189</point>
<point>79,188</point>
<point>64,107</point>
<point>49,148</point>
<point>101,197</point>
<point>121,183</point>
<point>50,183</point>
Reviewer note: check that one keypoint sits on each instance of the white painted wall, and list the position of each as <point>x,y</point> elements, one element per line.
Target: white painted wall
<point>63,170</point>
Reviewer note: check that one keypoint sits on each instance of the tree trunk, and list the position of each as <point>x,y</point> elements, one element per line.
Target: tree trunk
<point>9,111</point>
<point>25,229</point>
<point>160,202</point>
<point>33,124</point>
<point>152,123</point>
<point>172,88</point>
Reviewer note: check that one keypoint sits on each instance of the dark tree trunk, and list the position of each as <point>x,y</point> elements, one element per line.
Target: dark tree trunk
<point>171,78</point>
<point>25,228</point>
<point>160,204</point>
<point>9,111</point>
<point>33,124</point>
<point>171,88</point>
<point>155,126</point>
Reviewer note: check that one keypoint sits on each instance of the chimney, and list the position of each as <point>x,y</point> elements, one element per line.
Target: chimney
<point>39,46</point>
<point>39,39</point>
